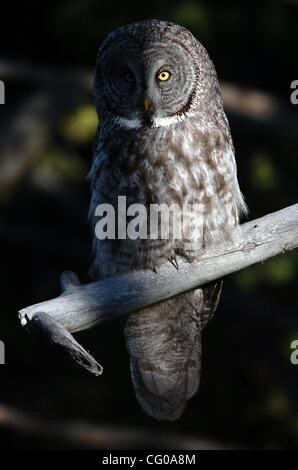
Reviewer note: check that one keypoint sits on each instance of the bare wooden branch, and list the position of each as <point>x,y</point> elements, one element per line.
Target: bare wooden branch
<point>81,307</point>
<point>50,331</point>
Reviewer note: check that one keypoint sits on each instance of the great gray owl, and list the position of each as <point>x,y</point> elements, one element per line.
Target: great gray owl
<point>163,138</point>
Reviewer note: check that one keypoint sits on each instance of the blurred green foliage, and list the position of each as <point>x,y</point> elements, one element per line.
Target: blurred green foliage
<point>194,15</point>
<point>278,404</point>
<point>63,164</point>
<point>80,126</point>
<point>264,175</point>
<point>279,270</point>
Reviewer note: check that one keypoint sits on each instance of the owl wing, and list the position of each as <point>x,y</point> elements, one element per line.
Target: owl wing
<point>98,158</point>
<point>95,177</point>
<point>211,295</point>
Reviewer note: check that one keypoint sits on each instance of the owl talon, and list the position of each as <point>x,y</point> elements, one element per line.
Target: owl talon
<point>174,262</point>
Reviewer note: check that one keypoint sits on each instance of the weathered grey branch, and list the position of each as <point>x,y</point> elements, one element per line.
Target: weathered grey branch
<point>81,307</point>
<point>57,336</point>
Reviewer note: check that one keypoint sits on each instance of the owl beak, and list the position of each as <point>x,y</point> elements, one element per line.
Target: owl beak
<point>147,104</point>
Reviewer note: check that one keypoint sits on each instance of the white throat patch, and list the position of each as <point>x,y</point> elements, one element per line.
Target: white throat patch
<point>136,122</point>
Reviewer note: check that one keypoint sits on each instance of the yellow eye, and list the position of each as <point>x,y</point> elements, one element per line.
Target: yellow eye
<point>163,76</point>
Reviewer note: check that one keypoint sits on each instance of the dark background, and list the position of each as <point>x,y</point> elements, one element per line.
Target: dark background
<point>248,396</point>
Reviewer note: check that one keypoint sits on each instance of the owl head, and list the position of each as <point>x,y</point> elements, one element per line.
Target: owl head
<point>152,73</point>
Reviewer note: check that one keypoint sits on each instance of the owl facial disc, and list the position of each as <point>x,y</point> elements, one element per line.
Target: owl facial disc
<point>145,80</point>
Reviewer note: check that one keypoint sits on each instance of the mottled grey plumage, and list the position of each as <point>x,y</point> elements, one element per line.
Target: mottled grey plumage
<point>179,151</point>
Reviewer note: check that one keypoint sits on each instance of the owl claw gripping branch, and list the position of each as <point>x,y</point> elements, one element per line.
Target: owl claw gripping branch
<point>163,139</point>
